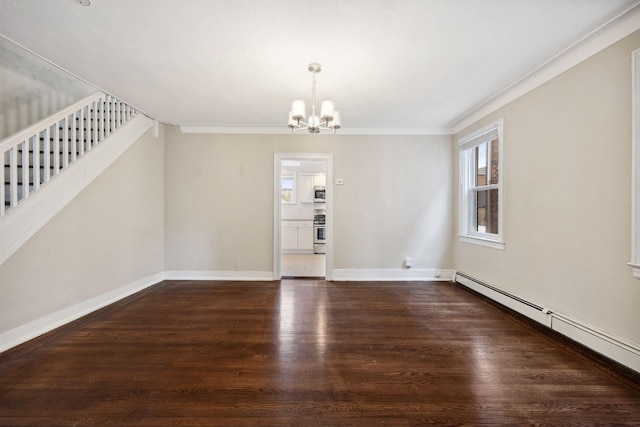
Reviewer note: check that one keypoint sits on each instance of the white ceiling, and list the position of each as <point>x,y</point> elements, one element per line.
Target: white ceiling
<point>238,64</point>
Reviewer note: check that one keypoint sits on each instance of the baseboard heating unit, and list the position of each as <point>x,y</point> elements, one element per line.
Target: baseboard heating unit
<point>617,349</point>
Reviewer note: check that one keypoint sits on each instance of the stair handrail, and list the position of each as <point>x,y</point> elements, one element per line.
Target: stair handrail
<point>66,136</point>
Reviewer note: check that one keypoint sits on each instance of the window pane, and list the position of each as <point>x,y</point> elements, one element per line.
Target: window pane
<point>480,154</point>
<point>486,163</point>
<point>288,187</point>
<point>486,211</point>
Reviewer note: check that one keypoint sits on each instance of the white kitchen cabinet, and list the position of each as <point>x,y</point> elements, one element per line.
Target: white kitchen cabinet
<point>305,188</point>
<point>305,237</point>
<point>289,237</point>
<point>320,179</point>
<point>297,235</point>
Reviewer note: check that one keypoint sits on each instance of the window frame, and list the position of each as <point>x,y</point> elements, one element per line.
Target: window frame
<point>468,188</point>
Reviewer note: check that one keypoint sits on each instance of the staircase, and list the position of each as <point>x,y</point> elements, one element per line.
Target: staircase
<point>50,163</point>
<point>36,155</point>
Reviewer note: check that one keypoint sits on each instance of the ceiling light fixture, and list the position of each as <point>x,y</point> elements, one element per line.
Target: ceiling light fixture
<point>329,119</point>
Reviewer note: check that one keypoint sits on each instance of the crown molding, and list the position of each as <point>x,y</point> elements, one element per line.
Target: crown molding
<point>357,130</point>
<point>283,130</point>
<point>604,36</point>
<point>237,129</point>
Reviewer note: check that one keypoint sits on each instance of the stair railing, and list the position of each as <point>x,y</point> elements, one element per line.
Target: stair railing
<point>35,155</point>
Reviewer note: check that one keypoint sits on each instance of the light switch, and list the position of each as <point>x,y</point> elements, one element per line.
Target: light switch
<point>339,181</point>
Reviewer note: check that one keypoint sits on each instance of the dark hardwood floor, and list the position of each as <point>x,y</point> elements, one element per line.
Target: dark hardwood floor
<point>305,353</point>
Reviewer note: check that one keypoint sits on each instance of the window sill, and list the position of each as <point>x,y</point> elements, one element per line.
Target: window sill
<point>483,242</point>
<point>636,269</point>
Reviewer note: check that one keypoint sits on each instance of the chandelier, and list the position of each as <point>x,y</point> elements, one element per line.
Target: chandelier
<point>328,120</point>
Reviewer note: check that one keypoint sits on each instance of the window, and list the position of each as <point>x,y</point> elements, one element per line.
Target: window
<point>288,187</point>
<point>481,187</point>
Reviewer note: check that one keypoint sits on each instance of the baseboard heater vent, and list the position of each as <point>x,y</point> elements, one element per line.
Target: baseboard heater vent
<point>500,291</point>
<point>622,351</point>
<point>529,309</point>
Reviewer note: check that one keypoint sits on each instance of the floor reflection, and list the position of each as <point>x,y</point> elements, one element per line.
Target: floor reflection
<point>302,321</point>
<point>286,332</point>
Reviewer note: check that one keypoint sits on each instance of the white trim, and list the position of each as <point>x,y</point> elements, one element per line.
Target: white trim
<point>283,130</point>
<point>487,133</point>
<point>20,224</point>
<point>622,351</point>
<point>426,274</point>
<point>416,131</point>
<point>635,164</point>
<point>604,36</point>
<point>235,129</point>
<point>278,158</point>
<point>219,275</point>
<point>35,328</point>
<point>465,144</point>
<point>635,269</point>
<point>477,240</point>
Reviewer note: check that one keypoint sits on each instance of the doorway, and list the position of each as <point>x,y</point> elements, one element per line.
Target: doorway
<point>303,215</point>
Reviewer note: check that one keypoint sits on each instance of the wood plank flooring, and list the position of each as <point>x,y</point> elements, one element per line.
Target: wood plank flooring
<point>305,353</point>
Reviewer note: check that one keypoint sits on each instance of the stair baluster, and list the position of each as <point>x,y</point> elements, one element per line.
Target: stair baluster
<point>33,156</point>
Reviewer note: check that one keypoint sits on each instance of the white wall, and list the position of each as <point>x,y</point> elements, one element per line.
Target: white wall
<point>396,200</point>
<point>567,169</point>
<point>32,89</point>
<point>109,236</point>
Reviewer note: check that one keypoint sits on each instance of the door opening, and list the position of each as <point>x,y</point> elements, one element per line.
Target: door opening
<point>302,216</point>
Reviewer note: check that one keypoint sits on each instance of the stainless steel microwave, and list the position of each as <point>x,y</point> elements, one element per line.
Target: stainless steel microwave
<point>319,194</point>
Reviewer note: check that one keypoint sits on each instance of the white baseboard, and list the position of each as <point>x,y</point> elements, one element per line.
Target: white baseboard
<point>35,328</point>
<point>219,275</point>
<point>413,274</point>
<point>338,275</point>
<point>45,324</point>
<point>622,351</point>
